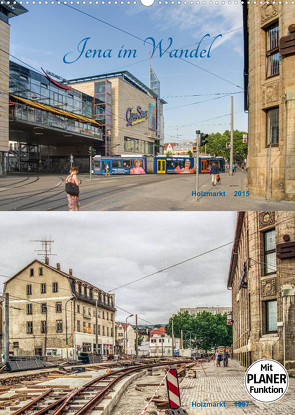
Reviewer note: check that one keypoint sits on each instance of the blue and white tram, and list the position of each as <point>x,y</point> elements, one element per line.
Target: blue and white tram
<point>120,165</point>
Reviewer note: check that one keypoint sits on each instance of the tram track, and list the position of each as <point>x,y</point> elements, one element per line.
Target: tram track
<point>56,400</point>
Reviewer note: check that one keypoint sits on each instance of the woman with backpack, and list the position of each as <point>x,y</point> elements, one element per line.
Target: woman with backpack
<point>72,189</point>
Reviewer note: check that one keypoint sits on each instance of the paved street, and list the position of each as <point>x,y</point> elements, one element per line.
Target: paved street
<point>219,384</point>
<point>136,193</point>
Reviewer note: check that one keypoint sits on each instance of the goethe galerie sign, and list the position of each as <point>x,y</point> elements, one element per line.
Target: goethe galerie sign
<point>135,117</point>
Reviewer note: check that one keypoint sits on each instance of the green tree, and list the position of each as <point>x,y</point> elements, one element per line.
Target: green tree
<point>217,145</point>
<point>190,153</point>
<point>207,330</point>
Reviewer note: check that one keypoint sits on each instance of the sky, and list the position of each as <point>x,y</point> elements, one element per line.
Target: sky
<point>109,249</point>
<point>44,35</point>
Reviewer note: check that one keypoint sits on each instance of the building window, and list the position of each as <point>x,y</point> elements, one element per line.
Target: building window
<point>29,289</point>
<point>84,310</point>
<point>78,325</point>
<point>94,329</point>
<point>43,327</point>
<point>112,332</point>
<point>98,329</point>
<point>270,252</point>
<point>272,125</point>
<point>59,326</point>
<point>80,289</point>
<point>43,288</point>
<point>85,291</point>
<point>31,272</point>
<point>271,316</point>
<point>272,51</point>
<point>29,309</point>
<point>84,327</point>
<point>108,331</point>
<point>29,327</point>
<point>43,308</point>
<point>55,287</point>
<point>103,330</point>
<point>103,314</point>
<point>107,315</point>
<point>78,308</point>
<point>40,271</point>
<point>58,307</point>
<point>15,345</point>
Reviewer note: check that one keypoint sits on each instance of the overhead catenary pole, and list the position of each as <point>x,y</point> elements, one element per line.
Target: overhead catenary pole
<point>6,327</point>
<point>90,163</point>
<point>136,343</point>
<point>231,137</point>
<point>198,138</point>
<point>172,324</point>
<point>96,328</point>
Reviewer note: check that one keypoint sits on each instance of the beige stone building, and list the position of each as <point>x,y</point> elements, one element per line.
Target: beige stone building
<point>121,337</point>
<point>128,110</point>
<point>50,308</point>
<point>262,281</point>
<point>270,98</point>
<point>6,12</point>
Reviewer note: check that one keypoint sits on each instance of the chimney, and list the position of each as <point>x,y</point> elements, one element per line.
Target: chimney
<point>70,271</point>
<point>58,266</point>
<point>47,260</point>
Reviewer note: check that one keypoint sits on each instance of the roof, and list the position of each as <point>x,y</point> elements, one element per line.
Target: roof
<point>64,274</point>
<point>124,326</point>
<point>161,331</point>
<point>234,253</point>
<point>125,75</point>
<point>14,8</point>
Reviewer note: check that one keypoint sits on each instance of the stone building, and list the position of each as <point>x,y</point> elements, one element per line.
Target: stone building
<point>262,280</point>
<point>6,12</point>
<point>270,98</point>
<point>50,308</point>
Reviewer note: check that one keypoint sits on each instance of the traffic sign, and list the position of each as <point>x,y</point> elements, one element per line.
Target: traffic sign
<point>245,140</point>
<point>173,389</point>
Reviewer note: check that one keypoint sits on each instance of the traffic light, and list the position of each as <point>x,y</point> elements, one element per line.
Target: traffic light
<point>203,139</point>
<point>91,151</point>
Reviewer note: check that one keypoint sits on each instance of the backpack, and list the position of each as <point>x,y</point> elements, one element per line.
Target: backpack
<point>72,189</point>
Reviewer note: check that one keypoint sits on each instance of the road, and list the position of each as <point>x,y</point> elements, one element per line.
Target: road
<point>131,193</point>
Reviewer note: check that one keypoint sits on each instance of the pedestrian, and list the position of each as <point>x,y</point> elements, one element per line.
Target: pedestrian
<point>107,170</point>
<point>234,168</point>
<point>225,358</point>
<point>214,172</point>
<point>73,190</point>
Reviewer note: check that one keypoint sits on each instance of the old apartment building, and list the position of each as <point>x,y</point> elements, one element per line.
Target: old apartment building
<point>269,72</point>
<point>262,281</point>
<point>50,308</point>
<point>128,348</point>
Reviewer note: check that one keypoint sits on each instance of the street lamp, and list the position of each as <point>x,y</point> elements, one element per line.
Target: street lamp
<point>126,352</point>
<point>67,344</point>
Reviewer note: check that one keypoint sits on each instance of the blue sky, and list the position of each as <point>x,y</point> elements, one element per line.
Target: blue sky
<point>47,33</point>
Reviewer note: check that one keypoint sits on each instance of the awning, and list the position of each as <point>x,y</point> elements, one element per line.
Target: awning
<point>57,111</point>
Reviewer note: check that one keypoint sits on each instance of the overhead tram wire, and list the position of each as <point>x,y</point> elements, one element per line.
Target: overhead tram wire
<point>170,267</point>
<point>142,40</point>
<point>200,102</point>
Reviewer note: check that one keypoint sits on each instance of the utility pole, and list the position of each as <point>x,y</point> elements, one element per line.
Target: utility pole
<point>231,138</point>
<point>45,342</point>
<point>96,328</point>
<point>172,324</point>
<point>90,163</point>
<point>198,138</point>
<point>136,341</point>
<point>181,338</point>
<point>6,327</point>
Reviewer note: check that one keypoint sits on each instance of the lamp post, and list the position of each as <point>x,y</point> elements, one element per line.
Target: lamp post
<point>126,352</point>
<point>66,319</point>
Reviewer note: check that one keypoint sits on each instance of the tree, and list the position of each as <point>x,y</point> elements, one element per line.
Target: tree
<point>207,330</point>
<point>217,145</point>
<point>190,153</point>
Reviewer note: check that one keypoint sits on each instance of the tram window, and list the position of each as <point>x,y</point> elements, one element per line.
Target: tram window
<point>117,163</point>
<point>97,164</point>
<point>127,163</point>
<point>172,164</point>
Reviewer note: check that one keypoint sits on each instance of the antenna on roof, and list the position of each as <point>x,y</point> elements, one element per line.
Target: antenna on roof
<point>46,249</point>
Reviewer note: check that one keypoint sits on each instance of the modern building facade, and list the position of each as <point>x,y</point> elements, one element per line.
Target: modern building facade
<point>270,99</point>
<point>131,113</point>
<point>212,310</point>
<point>262,280</point>
<point>7,11</point>
<point>51,309</point>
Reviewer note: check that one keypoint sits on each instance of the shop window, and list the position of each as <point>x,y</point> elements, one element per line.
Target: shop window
<point>270,252</point>
<point>271,310</point>
<point>272,125</point>
<point>272,51</point>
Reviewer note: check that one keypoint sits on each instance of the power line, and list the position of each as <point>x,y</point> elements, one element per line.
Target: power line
<point>171,266</point>
<point>201,102</point>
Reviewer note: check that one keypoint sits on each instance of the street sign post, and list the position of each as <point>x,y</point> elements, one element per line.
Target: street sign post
<point>198,138</point>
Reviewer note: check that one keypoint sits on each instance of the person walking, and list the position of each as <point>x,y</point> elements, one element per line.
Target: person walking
<point>225,358</point>
<point>107,170</point>
<point>73,191</point>
<point>214,172</point>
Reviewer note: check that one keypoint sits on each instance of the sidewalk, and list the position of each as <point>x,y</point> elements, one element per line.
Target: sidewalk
<point>226,384</point>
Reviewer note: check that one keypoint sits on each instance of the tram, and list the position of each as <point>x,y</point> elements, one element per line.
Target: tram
<point>182,164</point>
<point>120,165</point>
